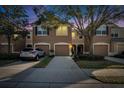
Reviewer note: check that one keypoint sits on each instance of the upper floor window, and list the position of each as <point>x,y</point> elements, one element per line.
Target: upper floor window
<point>114,35</point>
<point>101,32</point>
<point>62,31</point>
<point>41,31</point>
<point>73,35</point>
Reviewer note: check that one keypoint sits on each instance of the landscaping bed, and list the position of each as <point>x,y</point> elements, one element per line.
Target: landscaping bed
<point>110,79</point>
<point>43,63</point>
<point>96,63</point>
<point>120,55</point>
<point>8,58</point>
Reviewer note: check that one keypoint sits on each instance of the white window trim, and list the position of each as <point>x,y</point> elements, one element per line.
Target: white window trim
<point>102,43</point>
<point>100,33</point>
<point>115,33</point>
<point>41,34</point>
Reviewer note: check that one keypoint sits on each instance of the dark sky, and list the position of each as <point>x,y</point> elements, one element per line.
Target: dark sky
<point>30,12</point>
<point>32,16</point>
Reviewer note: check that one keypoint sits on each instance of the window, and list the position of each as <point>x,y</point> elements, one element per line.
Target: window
<point>62,31</point>
<point>101,33</point>
<point>73,35</point>
<point>41,31</point>
<point>114,35</point>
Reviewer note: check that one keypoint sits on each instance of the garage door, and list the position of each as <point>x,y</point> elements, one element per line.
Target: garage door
<point>101,50</point>
<point>61,50</point>
<point>120,48</point>
<point>4,48</point>
<point>44,47</point>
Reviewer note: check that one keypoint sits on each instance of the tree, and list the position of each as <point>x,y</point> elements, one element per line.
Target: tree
<point>12,19</point>
<point>87,19</point>
<point>47,17</point>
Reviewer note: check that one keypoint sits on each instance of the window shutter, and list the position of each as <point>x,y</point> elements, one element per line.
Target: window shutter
<point>48,31</point>
<point>95,32</point>
<point>35,29</point>
<point>107,30</point>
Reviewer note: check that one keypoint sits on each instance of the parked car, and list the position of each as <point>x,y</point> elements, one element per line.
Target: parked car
<point>30,53</point>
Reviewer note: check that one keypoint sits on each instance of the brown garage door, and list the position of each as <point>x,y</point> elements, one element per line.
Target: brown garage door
<point>101,50</point>
<point>44,47</point>
<point>62,50</point>
<point>120,48</point>
<point>4,48</point>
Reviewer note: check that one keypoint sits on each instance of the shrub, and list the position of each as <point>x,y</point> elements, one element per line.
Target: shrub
<point>119,56</point>
<point>88,57</point>
<point>9,56</point>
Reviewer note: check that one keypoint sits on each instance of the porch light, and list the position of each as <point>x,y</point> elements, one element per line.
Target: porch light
<point>15,36</point>
<point>70,46</point>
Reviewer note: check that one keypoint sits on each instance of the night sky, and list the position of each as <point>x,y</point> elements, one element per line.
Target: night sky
<point>33,17</point>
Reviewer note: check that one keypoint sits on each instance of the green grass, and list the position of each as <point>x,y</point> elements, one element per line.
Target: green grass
<point>43,63</point>
<point>98,64</point>
<point>5,62</point>
<point>110,79</point>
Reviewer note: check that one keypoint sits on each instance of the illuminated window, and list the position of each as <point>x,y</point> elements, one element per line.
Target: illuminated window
<point>62,31</point>
<point>73,35</point>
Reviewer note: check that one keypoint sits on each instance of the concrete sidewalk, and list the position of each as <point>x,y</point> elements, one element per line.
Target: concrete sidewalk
<point>15,68</point>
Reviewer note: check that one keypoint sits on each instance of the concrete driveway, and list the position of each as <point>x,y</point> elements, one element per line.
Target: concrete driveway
<point>60,72</point>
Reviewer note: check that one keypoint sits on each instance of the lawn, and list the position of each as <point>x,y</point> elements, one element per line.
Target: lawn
<point>43,63</point>
<point>98,64</point>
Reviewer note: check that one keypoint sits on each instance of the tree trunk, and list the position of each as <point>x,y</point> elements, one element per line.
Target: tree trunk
<point>88,43</point>
<point>91,45</point>
<point>9,43</point>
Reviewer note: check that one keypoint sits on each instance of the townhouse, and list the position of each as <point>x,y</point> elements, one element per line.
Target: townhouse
<point>64,41</point>
<point>56,39</point>
<point>16,44</point>
<point>108,40</point>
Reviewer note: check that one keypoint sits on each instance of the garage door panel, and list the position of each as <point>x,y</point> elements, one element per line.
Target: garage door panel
<point>101,50</point>
<point>44,47</point>
<point>62,50</point>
